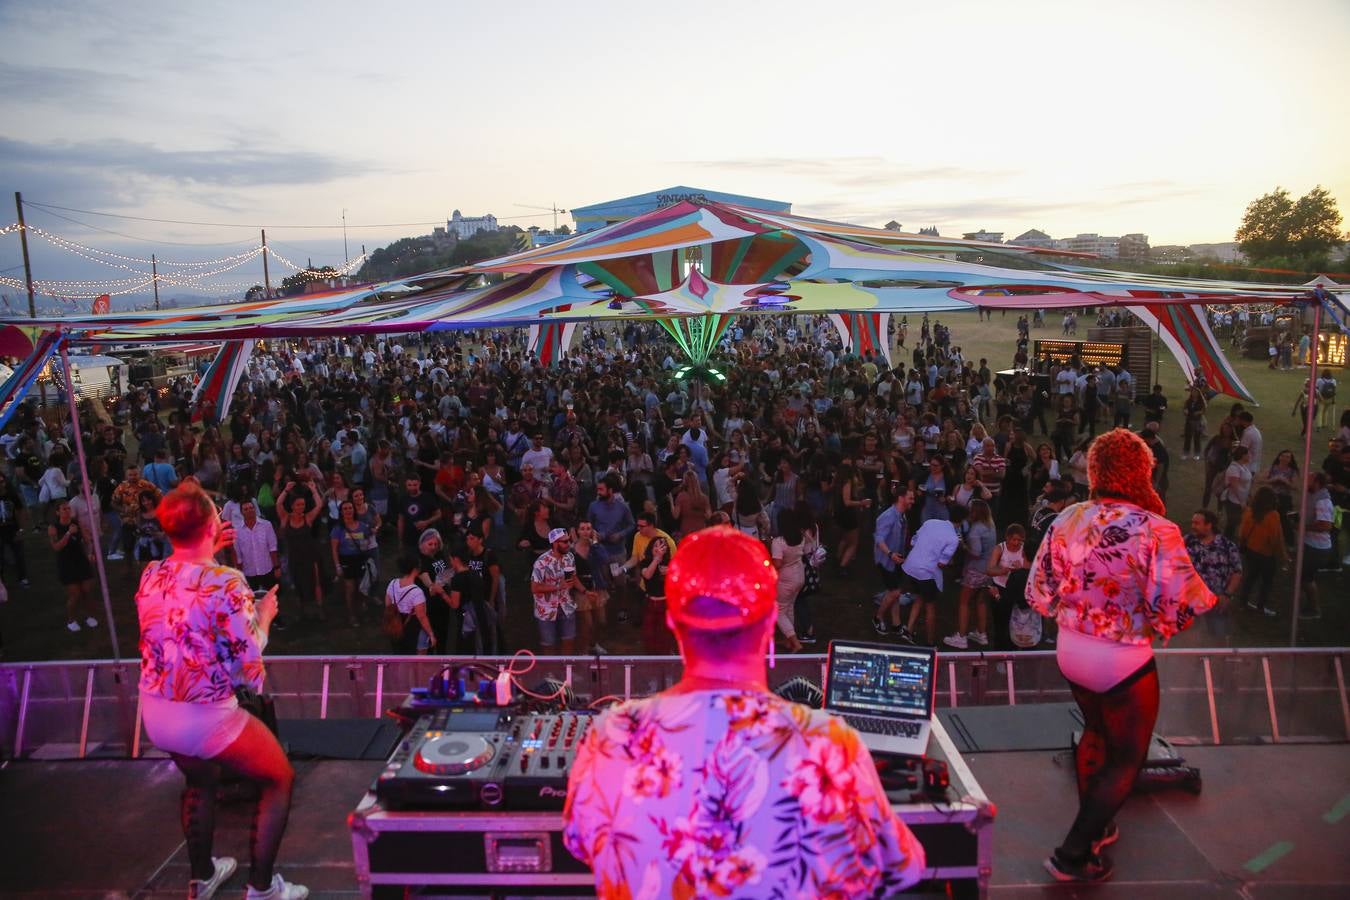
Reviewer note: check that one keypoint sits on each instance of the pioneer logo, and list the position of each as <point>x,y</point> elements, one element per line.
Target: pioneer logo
<point>552,792</point>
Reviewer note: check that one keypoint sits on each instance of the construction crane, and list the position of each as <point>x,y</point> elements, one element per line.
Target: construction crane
<point>553,208</point>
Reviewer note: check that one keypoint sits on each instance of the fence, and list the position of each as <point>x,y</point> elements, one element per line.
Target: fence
<point>1210,696</point>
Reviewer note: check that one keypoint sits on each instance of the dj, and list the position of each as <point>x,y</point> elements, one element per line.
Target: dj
<point>1115,574</point>
<point>201,636</point>
<point>717,787</point>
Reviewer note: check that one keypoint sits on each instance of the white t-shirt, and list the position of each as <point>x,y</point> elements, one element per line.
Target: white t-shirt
<point>406,599</point>
<point>1243,476</point>
<point>540,458</point>
<point>1251,439</point>
<point>1322,512</point>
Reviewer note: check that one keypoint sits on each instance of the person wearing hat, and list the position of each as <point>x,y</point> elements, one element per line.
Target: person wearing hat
<point>552,581</point>
<point>709,783</point>
<point>1115,574</point>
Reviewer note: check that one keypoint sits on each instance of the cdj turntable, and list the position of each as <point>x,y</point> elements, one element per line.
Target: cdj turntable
<point>517,762</point>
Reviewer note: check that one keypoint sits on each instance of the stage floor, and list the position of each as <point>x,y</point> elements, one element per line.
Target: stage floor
<point>1272,822</point>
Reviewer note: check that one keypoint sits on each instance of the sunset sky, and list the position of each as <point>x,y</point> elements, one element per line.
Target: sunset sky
<point>1162,118</point>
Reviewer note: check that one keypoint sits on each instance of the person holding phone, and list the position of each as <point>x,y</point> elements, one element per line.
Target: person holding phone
<point>202,639</point>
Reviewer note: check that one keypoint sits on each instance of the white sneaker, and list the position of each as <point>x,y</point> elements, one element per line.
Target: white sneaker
<point>91,622</point>
<point>205,890</point>
<point>280,890</point>
<point>72,626</point>
<point>115,555</point>
<point>597,650</point>
<point>978,637</point>
<point>955,640</point>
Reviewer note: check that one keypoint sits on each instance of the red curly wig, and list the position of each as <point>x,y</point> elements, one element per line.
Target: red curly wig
<point>1120,466</point>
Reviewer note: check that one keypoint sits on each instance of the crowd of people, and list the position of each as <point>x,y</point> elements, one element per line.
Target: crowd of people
<point>365,475</point>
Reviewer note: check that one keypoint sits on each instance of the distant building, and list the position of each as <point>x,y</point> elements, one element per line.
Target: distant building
<point>440,237</point>
<point>930,231</point>
<point>991,237</point>
<point>1226,252</point>
<point>1034,238</point>
<point>598,215</point>
<point>462,226</point>
<point>1133,246</point>
<point>1099,245</point>
<point>893,225</point>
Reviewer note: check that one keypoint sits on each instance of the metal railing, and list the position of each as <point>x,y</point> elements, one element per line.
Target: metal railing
<point>1210,696</point>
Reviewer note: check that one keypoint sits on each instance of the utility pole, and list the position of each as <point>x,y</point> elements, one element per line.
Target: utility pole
<point>267,277</point>
<point>154,276</point>
<point>345,257</point>
<point>27,266</point>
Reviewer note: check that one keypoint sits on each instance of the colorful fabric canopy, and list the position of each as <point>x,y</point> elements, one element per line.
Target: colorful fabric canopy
<point>705,262</point>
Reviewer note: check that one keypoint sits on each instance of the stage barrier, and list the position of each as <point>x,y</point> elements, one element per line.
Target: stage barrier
<point>73,710</point>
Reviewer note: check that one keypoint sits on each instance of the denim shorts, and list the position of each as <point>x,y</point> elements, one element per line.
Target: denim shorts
<point>562,628</point>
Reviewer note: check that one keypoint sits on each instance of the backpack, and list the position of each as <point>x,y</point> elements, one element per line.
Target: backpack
<point>1024,628</point>
<point>394,621</point>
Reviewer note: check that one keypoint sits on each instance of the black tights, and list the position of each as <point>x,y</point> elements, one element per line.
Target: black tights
<point>257,756</point>
<point>1118,726</point>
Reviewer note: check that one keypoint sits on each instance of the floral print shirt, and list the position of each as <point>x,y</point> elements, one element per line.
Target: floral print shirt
<point>732,793</point>
<point>1113,570</point>
<point>199,632</point>
<point>549,568</point>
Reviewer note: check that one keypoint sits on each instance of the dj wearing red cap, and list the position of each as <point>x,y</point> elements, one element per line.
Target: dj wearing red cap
<point>712,787</point>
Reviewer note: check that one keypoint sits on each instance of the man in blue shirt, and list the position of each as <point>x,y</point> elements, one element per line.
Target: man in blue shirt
<point>612,518</point>
<point>698,454</point>
<point>892,542</point>
<point>160,473</point>
<point>934,545</point>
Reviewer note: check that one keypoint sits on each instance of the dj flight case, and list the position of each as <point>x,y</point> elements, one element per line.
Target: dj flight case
<point>520,854</point>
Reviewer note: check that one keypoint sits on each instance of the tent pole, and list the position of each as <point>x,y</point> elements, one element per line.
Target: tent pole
<point>89,503</point>
<point>1309,421</point>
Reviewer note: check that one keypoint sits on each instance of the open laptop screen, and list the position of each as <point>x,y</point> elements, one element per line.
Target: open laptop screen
<point>880,680</point>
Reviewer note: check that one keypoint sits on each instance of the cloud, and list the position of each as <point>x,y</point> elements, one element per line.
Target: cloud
<point>45,84</point>
<point>994,211</point>
<point>236,166</point>
<point>848,171</point>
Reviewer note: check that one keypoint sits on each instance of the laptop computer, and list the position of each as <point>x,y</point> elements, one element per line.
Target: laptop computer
<point>886,692</point>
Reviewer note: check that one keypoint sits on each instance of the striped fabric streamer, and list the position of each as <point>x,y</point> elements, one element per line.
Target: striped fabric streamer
<point>1185,330</point>
<point>211,399</point>
<point>550,341</point>
<point>16,386</point>
<point>864,332</point>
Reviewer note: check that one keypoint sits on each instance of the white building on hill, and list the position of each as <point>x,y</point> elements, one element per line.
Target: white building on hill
<point>467,226</point>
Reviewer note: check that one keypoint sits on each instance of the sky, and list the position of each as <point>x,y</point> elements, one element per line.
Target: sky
<point>1164,118</point>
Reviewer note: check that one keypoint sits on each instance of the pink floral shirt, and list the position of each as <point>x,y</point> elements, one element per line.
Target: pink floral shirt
<point>733,794</point>
<point>1113,570</point>
<point>199,632</point>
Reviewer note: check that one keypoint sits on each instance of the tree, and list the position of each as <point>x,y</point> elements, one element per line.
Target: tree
<point>257,292</point>
<point>1276,229</point>
<point>297,283</point>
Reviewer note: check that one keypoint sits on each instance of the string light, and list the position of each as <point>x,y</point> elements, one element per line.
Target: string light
<point>191,275</point>
<point>346,268</point>
<point>75,247</point>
